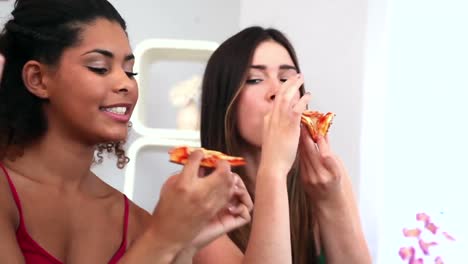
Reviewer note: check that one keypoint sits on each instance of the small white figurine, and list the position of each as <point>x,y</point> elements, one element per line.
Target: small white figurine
<point>185,96</point>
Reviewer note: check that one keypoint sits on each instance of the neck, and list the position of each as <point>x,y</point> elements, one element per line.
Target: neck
<point>56,161</point>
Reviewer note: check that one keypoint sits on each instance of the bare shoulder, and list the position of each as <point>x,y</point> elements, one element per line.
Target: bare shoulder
<point>8,211</point>
<point>9,219</point>
<point>222,248</point>
<point>138,218</point>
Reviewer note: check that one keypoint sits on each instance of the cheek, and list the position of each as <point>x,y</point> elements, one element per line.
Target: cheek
<point>248,128</point>
<point>244,120</point>
<point>250,115</point>
<point>79,96</point>
<point>90,87</point>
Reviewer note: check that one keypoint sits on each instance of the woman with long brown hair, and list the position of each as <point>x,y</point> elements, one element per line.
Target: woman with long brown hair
<point>304,208</point>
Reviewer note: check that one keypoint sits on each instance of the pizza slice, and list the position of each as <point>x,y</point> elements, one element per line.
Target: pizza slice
<point>180,155</point>
<point>317,123</point>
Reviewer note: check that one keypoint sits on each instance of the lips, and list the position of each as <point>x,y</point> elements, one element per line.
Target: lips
<point>119,109</point>
<point>118,112</point>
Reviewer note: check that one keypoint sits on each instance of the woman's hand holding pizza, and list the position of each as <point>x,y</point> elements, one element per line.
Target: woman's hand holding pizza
<point>210,205</point>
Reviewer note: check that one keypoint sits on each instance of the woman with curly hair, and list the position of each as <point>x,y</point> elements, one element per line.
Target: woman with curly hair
<point>67,90</point>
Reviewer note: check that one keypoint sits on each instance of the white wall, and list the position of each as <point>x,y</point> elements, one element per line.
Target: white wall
<point>372,133</point>
<point>5,10</point>
<point>181,19</point>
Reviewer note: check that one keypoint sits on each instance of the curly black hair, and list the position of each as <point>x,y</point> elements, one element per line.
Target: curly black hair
<point>41,31</point>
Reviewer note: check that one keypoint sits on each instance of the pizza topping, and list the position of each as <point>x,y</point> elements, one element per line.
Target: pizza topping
<point>180,155</point>
<point>317,123</point>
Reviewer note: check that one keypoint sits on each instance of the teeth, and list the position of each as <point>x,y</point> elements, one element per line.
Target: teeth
<point>116,110</point>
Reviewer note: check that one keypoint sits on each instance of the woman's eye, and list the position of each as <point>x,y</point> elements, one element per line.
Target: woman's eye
<point>253,81</point>
<point>100,71</point>
<point>131,74</point>
<point>283,79</point>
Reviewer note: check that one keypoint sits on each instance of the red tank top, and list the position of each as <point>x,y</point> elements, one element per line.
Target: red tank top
<point>34,253</point>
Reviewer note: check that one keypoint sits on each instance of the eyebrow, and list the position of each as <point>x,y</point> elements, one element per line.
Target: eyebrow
<point>109,54</point>
<point>281,67</point>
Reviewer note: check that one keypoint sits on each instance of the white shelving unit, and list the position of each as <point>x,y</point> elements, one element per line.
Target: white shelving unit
<point>147,53</point>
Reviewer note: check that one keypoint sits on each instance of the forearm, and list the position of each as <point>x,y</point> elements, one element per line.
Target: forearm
<point>149,250</point>
<point>269,240</point>
<point>340,230</point>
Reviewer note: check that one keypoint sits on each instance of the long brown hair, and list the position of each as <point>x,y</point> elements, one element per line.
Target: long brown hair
<point>224,76</point>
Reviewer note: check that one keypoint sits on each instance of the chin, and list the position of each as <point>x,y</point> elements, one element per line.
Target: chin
<point>253,143</point>
<point>117,138</point>
<point>115,135</point>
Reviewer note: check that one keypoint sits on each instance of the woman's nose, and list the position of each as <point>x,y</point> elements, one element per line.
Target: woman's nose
<point>274,87</point>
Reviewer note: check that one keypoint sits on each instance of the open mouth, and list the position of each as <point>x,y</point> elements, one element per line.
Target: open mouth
<point>118,110</point>
<point>119,113</point>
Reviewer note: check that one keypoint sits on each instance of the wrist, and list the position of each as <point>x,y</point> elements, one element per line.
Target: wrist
<point>271,166</point>
<point>272,173</point>
<point>159,245</point>
<point>332,205</point>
